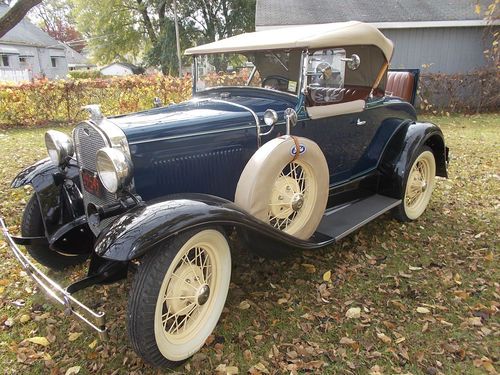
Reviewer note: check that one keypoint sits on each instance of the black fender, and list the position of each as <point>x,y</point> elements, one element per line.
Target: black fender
<point>44,173</point>
<point>149,224</point>
<point>61,204</point>
<point>399,155</point>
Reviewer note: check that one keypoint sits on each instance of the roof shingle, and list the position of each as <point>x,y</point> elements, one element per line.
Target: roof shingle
<point>300,12</point>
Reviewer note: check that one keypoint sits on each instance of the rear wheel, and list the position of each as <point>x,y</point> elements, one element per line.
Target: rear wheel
<point>32,226</point>
<point>418,186</point>
<point>178,295</point>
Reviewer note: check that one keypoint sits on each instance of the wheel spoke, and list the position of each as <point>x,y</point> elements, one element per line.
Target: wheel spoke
<point>184,281</point>
<point>186,260</point>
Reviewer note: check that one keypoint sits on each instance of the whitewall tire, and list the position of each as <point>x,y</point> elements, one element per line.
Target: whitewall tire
<point>178,295</point>
<point>288,194</point>
<point>418,186</point>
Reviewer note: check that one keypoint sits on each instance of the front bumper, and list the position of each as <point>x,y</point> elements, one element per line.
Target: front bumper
<point>95,320</point>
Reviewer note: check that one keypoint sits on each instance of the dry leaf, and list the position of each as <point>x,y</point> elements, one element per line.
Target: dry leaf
<point>423,310</point>
<point>93,344</point>
<point>425,327</point>
<point>327,276</point>
<point>353,313</point>
<point>382,336</point>
<point>40,340</point>
<point>310,268</point>
<point>475,321</point>
<point>74,335</point>
<point>347,341</point>
<point>73,370</point>
<point>244,305</point>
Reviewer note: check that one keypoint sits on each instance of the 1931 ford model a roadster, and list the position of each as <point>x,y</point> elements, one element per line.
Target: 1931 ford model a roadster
<point>304,151</point>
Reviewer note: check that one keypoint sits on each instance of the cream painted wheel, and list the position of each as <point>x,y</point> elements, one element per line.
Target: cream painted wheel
<point>418,187</point>
<point>188,285</point>
<point>290,195</point>
<point>292,198</point>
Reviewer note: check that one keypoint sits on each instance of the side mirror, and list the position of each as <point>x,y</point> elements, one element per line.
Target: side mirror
<point>353,62</point>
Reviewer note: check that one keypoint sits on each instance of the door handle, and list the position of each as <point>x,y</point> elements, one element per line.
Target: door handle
<point>359,122</point>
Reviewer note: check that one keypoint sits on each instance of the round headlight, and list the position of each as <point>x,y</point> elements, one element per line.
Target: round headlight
<point>59,146</point>
<point>114,169</point>
<point>270,117</point>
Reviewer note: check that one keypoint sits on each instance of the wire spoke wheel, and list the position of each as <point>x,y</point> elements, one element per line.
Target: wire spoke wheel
<point>419,185</point>
<point>292,197</point>
<point>178,296</point>
<point>187,292</point>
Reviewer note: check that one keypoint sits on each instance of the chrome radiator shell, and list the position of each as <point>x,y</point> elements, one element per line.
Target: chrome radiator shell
<point>88,139</point>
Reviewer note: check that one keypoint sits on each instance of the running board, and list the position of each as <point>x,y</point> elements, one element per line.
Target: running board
<point>343,220</point>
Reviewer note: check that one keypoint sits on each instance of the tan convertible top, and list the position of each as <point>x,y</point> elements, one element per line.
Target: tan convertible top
<point>310,36</point>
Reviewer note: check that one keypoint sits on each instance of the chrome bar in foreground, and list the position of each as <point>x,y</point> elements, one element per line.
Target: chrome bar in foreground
<point>95,320</point>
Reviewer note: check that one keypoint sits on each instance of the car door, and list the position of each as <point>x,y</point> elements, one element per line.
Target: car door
<point>339,82</point>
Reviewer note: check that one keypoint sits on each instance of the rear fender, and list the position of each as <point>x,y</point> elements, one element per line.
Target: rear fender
<point>400,152</point>
<point>148,225</point>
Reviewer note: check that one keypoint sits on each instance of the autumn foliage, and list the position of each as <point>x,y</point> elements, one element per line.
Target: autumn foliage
<point>42,101</point>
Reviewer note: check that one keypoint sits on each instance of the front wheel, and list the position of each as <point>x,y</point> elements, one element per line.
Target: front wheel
<point>32,226</point>
<point>418,186</point>
<point>178,295</point>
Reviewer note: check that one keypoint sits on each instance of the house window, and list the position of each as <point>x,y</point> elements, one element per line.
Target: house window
<point>5,60</point>
<point>53,60</point>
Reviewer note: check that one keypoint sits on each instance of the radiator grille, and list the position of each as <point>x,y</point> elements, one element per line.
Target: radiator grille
<point>88,140</point>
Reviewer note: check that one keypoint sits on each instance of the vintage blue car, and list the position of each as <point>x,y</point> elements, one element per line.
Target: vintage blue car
<point>293,139</point>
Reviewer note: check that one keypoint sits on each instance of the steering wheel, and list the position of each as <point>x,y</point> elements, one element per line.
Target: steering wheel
<point>275,82</point>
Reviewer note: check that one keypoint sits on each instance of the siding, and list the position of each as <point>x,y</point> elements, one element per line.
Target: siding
<point>448,50</point>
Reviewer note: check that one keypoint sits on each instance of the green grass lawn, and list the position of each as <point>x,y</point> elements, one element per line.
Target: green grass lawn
<point>427,292</point>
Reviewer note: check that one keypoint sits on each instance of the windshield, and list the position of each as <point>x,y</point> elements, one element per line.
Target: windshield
<point>275,70</point>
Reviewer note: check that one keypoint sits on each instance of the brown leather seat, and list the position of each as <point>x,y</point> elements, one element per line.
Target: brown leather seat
<point>400,84</point>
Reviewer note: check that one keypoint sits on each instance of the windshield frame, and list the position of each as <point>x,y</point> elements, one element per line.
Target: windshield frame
<point>296,94</point>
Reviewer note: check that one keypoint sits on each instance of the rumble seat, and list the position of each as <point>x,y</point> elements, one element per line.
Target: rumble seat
<point>400,84</point>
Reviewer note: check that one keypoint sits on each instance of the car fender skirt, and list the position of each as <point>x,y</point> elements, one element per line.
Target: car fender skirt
<point>401,150</point>
<point>147,225</point>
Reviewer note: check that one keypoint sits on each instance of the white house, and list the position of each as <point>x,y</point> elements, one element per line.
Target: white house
<point>120,69</point>
<point>27,52</point>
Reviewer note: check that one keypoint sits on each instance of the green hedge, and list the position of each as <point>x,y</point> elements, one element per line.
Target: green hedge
<point>42,102</point>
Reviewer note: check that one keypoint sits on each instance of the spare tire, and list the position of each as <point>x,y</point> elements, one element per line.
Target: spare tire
<point>286,191</point>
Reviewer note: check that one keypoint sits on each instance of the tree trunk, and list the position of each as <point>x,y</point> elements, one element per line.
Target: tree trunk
<point>16,14</point>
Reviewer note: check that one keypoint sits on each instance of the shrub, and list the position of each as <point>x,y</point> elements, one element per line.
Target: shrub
<point>43,101</point>
<point>472,92</point>
<point>83,74</point>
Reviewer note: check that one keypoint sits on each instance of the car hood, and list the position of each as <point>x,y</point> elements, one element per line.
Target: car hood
<point>197,115</point>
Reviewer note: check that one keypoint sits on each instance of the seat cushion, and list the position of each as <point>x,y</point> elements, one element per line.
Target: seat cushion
<point>400,84</point>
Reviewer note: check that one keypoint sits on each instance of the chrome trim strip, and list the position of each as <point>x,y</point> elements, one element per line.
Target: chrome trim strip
<point>180,136</point>
<point>256,118</point>
<point>95,320</point>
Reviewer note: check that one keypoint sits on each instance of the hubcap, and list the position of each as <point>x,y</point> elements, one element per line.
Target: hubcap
<point>203,294</point>
<point>297,201</point>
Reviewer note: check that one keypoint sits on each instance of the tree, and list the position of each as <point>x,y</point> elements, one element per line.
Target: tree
<point>122,29</point>
<point>56,19</point>
<point>15,14</point>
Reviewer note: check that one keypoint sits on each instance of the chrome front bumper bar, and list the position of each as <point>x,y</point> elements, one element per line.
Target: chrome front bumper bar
<point>96,320</point>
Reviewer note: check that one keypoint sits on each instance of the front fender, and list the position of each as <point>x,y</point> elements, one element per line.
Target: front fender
<point>42,174</point>
<point>400,152</point>
<point>147,225</point>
